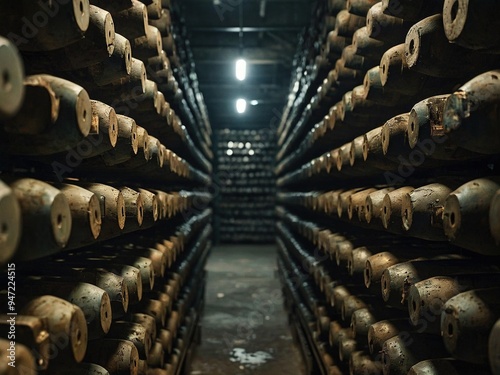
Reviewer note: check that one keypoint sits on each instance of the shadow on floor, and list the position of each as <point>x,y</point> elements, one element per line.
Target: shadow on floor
<point>244,326</point>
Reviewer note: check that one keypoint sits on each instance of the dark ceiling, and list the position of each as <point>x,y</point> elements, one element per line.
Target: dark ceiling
<point>268,43</point>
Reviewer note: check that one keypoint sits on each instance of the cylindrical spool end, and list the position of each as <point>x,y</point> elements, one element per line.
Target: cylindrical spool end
<point>97,314</point>
<point>81,12</point>
<point>95,218</point>
<point>134,206</point>
<point>63,320</point>
<point>494,348</point>
<point>135,333</point>
<point>385,284</point>
<point>392,205</point>
<point>116,288</point>
<point>156,356</point>
<point>133,283</point>
<point>452,217</point>
<point>11,79</point>
<point>378,333</point>
<point>148,322</point>
<point>455,18</point>
<point>144,265</point>
<point>356,206</point>
<point>412,45</point>
<point>466,321</point>
<point>151,207</point>
<point>374,204</point>
<point>156,150</point>
<point>386,211</point>
<point>85,210</point>
<point>346,348</point>
<point>143,141</point>
<point>107,119</point>
<point>342,252</point>
<point>335,328</point>
<point>109,31</point>
<point>356,261</point>
<point>376,265</point>
<point>406,212</point>
<point>427,297</point>
<point>339,293</point>
<point>138,70</point>
<point>10,223</point>
<point>117,356</point>
<point>360,363</point>
<point>494,217</point>
<point>56,228</point>
<point>413,128</point>
<point>349,305</point>
<point>123,50</point>
<point>101,24</point>
<point>83,112</point>
<point>361,320</point>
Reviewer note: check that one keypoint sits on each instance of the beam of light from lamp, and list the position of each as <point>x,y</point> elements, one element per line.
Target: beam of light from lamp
<point>241,69</point>
<point>241,105</point>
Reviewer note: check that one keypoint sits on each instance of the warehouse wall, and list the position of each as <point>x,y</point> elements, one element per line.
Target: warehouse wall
<point>244,205</point>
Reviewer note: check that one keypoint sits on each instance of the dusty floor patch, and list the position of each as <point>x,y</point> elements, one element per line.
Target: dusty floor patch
<point>244,327</point>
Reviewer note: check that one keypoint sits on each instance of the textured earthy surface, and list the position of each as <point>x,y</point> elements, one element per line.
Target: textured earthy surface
<point>244,327</point>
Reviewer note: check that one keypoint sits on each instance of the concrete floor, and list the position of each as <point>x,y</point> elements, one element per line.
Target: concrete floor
<point>244,326</point>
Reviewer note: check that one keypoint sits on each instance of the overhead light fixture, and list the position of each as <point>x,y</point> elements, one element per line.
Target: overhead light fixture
<point>241,105</point>
<point>254,102</point>
<point>241,69</point>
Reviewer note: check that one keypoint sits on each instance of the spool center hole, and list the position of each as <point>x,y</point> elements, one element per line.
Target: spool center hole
<point>454,11</point>
<point>450,329</point>
<point>452,219</point>
<point>59,221</point>
<point>6,84</point>
<point>414,305</point>
<point>412,46</point>
<point>78,336</point>
<point>4,228</point>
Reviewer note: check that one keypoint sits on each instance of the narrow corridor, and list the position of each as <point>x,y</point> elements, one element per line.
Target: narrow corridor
<point>244,326</point>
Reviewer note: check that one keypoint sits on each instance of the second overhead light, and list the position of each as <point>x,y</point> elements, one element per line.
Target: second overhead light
<point>241,69</point>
